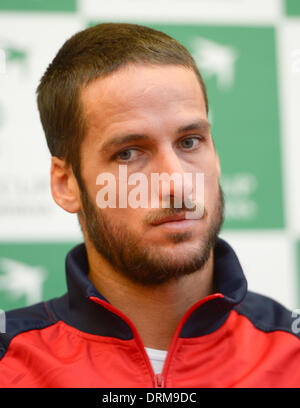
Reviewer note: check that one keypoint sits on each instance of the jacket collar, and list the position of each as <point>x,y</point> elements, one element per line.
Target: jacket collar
<point>86,309</point>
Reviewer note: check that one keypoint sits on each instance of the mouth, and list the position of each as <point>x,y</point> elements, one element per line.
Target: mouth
<point>170,218</point>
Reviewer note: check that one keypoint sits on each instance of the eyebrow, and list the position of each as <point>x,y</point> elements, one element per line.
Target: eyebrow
<point>120,140</point>
<point>201,124</point>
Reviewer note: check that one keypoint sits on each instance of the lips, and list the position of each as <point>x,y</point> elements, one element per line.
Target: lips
<point>170,218</point>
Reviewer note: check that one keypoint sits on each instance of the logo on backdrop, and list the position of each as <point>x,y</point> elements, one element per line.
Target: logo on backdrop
<point>20,279</point>
<point>11,54</point>
<point>214,59</point>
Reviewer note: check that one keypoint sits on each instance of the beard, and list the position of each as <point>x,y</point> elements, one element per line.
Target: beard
<point>148,265</point>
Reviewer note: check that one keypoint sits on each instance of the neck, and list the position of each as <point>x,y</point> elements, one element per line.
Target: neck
<point>154,310</point>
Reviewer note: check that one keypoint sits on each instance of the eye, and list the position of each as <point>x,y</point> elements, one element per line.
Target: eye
<point>190,143</point>
<point>127,155</point>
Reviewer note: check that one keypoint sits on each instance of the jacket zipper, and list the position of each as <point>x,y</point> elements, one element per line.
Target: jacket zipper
<point>159,381</point>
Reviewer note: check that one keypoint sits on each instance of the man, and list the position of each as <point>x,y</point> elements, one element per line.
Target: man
<point>155,298</point>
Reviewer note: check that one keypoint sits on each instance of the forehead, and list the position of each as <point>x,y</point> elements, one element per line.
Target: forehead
<point>142,95</point>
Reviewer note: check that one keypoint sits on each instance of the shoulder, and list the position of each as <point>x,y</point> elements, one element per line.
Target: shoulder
<point>18,321</point>
<point>268,315</point>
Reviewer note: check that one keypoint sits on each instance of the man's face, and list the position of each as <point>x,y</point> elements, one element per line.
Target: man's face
<point>151,119</point>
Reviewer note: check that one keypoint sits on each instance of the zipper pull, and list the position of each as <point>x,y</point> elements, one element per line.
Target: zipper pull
<point>159,381</point>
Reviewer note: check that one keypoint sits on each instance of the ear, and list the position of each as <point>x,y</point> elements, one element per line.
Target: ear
<point>64,187</point>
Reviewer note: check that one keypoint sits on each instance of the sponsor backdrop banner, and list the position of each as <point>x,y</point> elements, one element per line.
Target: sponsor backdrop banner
<point>249,55</point>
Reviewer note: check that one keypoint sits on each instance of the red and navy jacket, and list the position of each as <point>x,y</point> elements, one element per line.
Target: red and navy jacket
<point>232,338</point>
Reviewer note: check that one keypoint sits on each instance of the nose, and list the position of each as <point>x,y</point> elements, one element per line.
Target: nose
<point>168,180</point>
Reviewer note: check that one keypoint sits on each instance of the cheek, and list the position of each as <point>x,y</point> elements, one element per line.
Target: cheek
<point>130,217</point>
<point>127,220</point>
<point>211,186</point>
<point>211,168</point>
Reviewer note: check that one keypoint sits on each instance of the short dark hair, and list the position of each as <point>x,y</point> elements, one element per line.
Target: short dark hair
<point>91,53</point>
